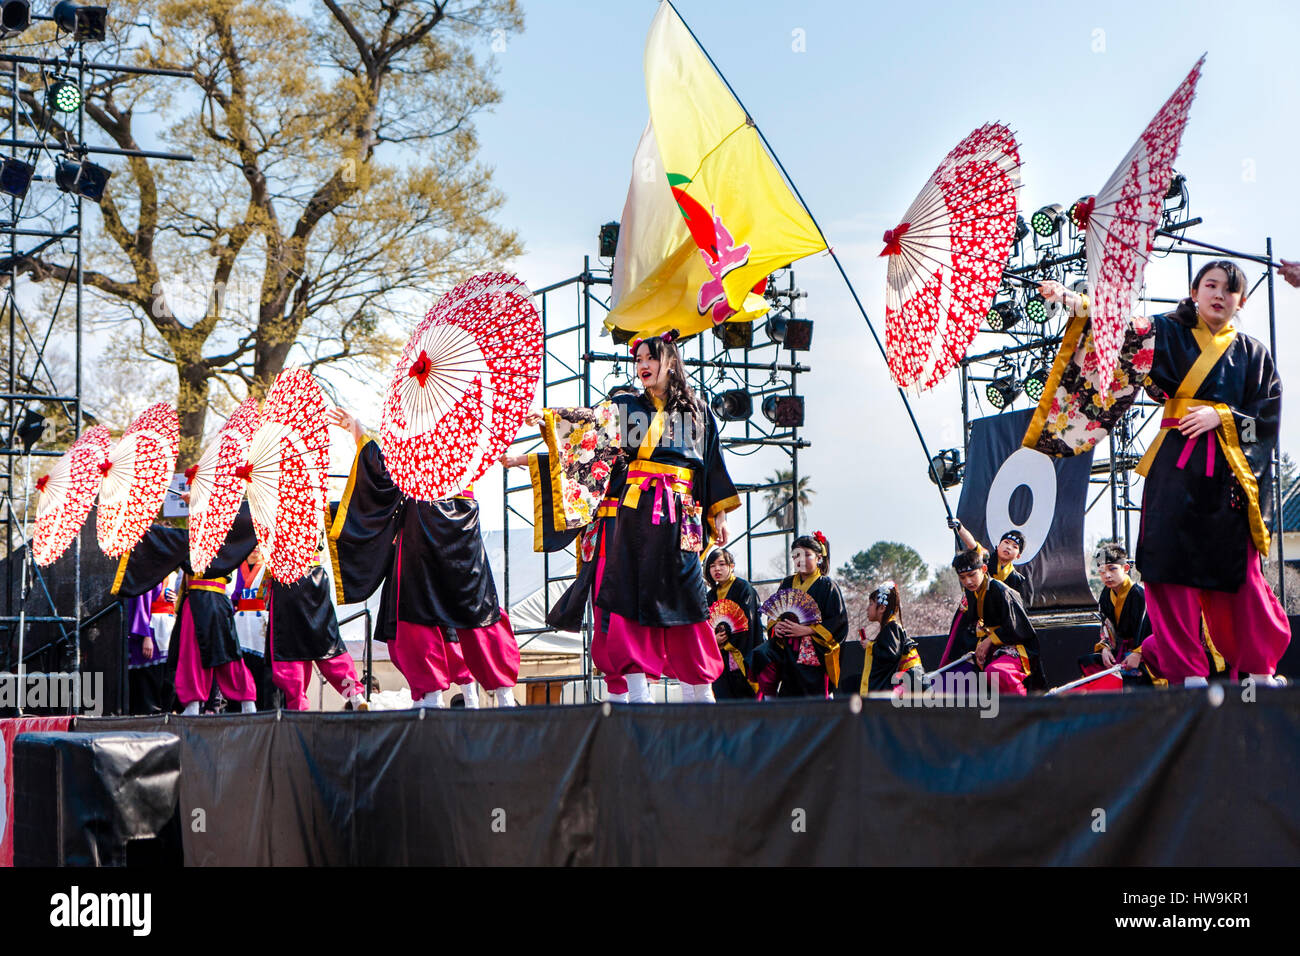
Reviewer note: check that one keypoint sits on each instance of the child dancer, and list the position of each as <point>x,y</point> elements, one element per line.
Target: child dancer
<point>737,649</point>
<point>892,652</point>
<point>993,624</point>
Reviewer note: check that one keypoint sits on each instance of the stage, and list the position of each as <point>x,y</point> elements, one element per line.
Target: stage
<point>1156,778</point>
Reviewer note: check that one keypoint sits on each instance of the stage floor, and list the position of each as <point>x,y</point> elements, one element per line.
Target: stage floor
<point>1177,777</point>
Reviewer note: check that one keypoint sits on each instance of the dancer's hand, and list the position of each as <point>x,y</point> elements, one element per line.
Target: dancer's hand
<point>534,417</point>
<point>346,421</point>
<point>1107,658</point>
<point>513,461</point>
<point>1052,291</point>
<point>1198,421</point>
<point>1133,661</point>
<point>146,648</point>
<point>1291,272</point>
<point>982,650</point>
<point>720,526</point>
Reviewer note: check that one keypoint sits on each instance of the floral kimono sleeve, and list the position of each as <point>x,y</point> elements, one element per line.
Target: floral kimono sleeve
<point>570,481</point>
<point>1077,409</point>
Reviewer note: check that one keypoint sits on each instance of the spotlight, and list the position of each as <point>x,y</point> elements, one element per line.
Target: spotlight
<point>82,178</point>
<point>64,96</point>
<point>16,177</point>
<point>776,326</point>
<point>735,335</point>
<point>1176,185</point>
<point>29,430</point>
<point>798,335</point>
<point>1047,221</point>
<point>1002,391</point>
<point>15,17</point>
<point>733,405</point>
<point>83,22</point>
<point>1022,229</point>
<point>1003,316</point>
<point>1034,383</point>
<point>946,468</point>
<point>784,411</point>
<point>608,240</point>
<point>1081,212</point>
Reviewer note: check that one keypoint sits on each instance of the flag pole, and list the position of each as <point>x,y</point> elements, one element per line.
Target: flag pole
<point>834,258</point>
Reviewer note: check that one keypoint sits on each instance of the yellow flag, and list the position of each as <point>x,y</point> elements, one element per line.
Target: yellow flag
<point>735,219</point>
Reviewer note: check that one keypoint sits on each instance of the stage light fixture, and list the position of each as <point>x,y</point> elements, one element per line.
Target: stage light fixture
<point>1175,190</point>
<point>608,240</point>
<point>1034,383</point>
<point>1002,391</point>
<point>82,178</point>
<point>784,411</point>
<point>1003,316</point>
<point>735,335</point>
<point>83,22</point>
<point>15,17</point>
<point>29,430</point>
<point>733,405</point>
<point>1022,229</point>
<point>1037,310</point>
<point>798,335</point>
<point>63,96</point>
<point>946,468</point>
<point>776,326</point>
<point>16,177</point>
<point>1047,221</point>
<point>1076,212</point>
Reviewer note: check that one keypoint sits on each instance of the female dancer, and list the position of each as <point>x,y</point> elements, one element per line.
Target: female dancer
<point>737,649</point>
<point>798,660</point>
<point>676,495</point>
<point>1208,477</point>
<point>892,652</point>
<point>429,555</point>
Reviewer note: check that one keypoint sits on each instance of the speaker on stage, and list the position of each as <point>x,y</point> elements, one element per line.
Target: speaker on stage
<point>79,798</point>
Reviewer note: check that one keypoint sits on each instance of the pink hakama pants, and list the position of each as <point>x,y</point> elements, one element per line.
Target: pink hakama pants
<point>421,653</point>
<point>688,652</point>
<point>1248,626</point>
<point>194,681</point>
<point>294,677</point>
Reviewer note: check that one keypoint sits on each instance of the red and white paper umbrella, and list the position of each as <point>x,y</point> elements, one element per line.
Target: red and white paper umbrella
<point>1120,223</point>
<point>946,256</point>
<point>462,387</point>
<point>67,492</point>
<point>288,462</point>
<point>136,476</point>
<point>216,488</point>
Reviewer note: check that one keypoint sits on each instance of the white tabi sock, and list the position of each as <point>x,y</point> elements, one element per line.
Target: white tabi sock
<point>248,706</point>
<point>688,692</point>
<point>505,697</point>
<point>617,698</point>
<point>471,695</point>
<point>1267,680</point>
<point>638,691</point>
<point>192,709</point>
<point>704,694</point>
<point>432,700</point>
<point>1195,682</point>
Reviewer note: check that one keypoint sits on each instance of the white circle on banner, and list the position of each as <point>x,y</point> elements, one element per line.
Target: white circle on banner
<point>1034,470</point>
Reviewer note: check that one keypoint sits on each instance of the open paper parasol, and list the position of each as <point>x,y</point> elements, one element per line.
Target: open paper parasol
<point>136,476</point>
<point>946,256</point>
<point>215,487</point>
<point>1120,223</point>
<point>288,460</point>
<point>67,493</point>
<point>462,387</point>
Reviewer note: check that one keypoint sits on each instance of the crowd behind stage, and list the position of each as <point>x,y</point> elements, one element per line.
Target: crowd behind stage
<point>639,488</point>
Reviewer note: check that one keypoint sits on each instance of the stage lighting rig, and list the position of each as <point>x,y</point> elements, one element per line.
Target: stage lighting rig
<point>1004,388</point>
<point>1003,316</point>
<point>1047,221</point>
<point>733,405</point>
<point>64,95</point>
<point>735,335</point>
<point>81,178</point>
<point>1034,383</point>
<point>1022,228</point>
<point>16,177</point>
<point>1081,212</point>
<point>85,23</point>
<point>15,17</point>
<point>946,468</point>
<point>784,411</point>
<point>608,240</point>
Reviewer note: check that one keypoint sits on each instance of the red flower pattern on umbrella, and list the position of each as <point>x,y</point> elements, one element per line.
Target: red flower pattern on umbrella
<point>216,489</point>
<point>67,492</point>
<point>946,256</point>
<point>286,470</point>
<point>1121,226</point>
<point>462,387</point>
<point>136,476</point>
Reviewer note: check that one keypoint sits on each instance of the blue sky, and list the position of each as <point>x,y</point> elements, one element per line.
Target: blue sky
<point>860,118</point>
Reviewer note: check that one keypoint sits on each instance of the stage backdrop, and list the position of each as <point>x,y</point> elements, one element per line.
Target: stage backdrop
<point>1007,486</point>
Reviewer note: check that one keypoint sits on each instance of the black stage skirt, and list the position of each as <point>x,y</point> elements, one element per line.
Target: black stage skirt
<point>304,626</point>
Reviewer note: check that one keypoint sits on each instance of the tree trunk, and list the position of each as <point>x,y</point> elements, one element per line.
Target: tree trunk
<point>192,408</point>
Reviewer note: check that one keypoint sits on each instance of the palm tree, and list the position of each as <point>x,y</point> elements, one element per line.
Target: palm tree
<point>779,496</point>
